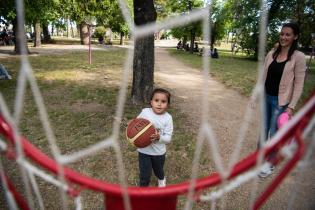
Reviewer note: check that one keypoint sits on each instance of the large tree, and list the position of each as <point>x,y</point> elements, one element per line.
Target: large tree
<point>219,20</point>
<point>9,14</point>
<point>304,15</point>
<point>84,13</point>
<point>143,62</point>
<point>36,12</point>
<point>246,21</point>
<point>191,31</point>
<point>40,13</point>
<point>112,18</point>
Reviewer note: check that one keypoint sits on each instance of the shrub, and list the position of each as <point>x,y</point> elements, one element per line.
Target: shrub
<point>99,32</point>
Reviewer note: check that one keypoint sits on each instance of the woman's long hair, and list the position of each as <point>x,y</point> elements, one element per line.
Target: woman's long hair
<point>296,31</point>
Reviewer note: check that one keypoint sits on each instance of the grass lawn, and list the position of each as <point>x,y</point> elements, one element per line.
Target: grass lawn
<point>73,41</point>
<point>238,71</point>
<point>81,102</point>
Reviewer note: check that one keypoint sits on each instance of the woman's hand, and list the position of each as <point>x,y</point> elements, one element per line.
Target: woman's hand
<point>289,111</point>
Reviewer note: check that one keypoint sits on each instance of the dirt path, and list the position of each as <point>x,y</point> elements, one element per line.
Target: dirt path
<point>226,113</point>
<point>226,106</point>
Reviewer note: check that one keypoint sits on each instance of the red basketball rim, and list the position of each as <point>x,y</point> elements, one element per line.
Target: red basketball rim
<point>171,190</point>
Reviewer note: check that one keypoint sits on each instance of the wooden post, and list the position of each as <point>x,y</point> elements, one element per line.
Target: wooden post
<point>90,51</point>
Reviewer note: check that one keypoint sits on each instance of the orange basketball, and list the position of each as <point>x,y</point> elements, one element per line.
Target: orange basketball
<point>139,131</point>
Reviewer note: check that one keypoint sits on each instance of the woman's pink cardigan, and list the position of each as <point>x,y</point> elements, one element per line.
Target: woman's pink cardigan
<point>292,80</point>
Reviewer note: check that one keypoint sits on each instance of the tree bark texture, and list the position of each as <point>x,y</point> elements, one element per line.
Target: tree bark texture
<point>143,70</point>
<point>143,61</point>
<point>192,40</point>
<point>68,28</point>
<point>52,29</point>
<point>46,34</point>
<point>78,30</point>
<point>84,33</point>
<point>72,31</point>
<point>19,39</point>
<point>37,41</point>
<point>121,41</point>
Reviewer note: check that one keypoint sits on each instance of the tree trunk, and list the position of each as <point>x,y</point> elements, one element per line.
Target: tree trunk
<point>213,35</point>
<point>143,61</point>
<point>143,70</point>
<point>79,30</point>
<point>184,41</point>
<point>37,41</point>
<point>52,29</point>
<point>46,34</point>
<point>192,41</point>
<point>84,33</point>
<point>121,42</point>
<point>18,39</point>
<point>110,37</point>
<point>72,31</point>
<point>68,28</point>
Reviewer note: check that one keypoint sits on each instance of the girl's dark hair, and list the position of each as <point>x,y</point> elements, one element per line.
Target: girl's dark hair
<point>161,90</point>
<point>296,31</point>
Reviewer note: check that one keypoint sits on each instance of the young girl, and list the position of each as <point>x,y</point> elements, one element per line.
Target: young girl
<point>153,156</point>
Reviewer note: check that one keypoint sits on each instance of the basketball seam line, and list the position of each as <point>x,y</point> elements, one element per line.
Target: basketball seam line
<point>131,140</point>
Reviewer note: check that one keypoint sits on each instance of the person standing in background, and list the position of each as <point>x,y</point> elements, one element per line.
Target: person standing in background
<point>284,73</point>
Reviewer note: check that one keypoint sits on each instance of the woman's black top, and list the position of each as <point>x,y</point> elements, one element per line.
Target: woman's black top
<point>274,75</point>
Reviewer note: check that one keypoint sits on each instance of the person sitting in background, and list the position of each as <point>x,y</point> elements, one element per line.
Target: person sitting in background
<point>179,45</point>
<point>187,48</point>
<point>3,73</point>
<point>196,49</point>
<point>201,52</point>
<point>214,53</point>
<point>101,40</point>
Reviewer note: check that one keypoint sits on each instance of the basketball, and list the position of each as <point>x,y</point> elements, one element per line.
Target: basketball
<point>138,132</point>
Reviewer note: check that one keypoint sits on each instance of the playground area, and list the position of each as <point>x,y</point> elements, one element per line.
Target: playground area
<point>81,100</point>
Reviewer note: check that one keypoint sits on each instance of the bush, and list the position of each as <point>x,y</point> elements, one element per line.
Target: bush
<point>99,32</point>
<point>165,35</point>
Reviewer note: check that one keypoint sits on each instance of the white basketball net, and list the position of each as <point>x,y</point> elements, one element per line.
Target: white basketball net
<point>29,171</point>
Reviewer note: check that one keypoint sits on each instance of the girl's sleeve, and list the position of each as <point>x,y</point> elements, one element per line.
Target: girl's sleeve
<point>142,114</point>
<point>166,134</point>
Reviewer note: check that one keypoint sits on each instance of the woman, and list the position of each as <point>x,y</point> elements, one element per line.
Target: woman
<point>284,72</point>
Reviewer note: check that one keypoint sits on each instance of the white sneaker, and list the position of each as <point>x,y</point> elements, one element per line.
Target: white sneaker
<point>162,183</point>
<point>266,171</point>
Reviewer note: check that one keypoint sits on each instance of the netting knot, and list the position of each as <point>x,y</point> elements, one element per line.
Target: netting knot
<point>10,153</point>
<point>74,192</point>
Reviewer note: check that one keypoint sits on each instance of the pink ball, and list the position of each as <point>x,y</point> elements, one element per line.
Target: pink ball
<point>283,119</point>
